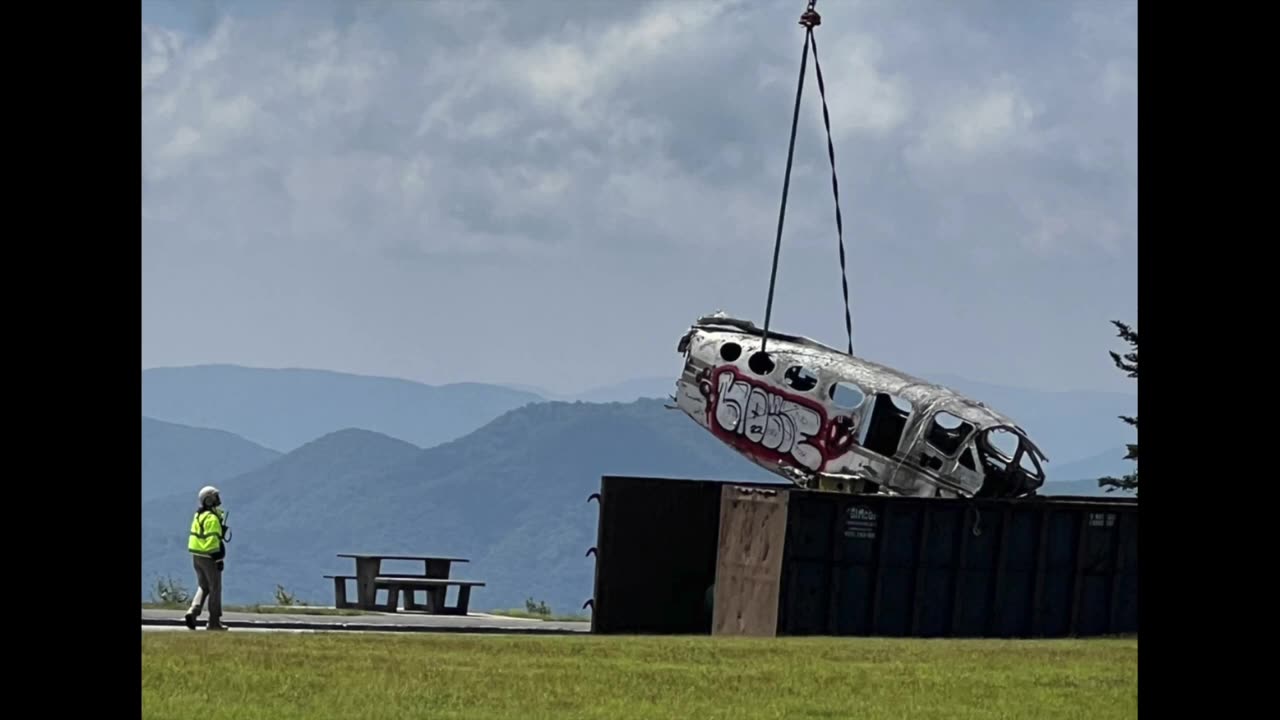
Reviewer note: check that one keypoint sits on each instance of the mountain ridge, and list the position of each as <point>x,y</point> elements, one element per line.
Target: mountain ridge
<point>176,455</point>
<point>284,408</point>
<point>511,496</point>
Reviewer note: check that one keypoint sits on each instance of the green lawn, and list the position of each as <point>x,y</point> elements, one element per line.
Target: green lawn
<point>290,676</point>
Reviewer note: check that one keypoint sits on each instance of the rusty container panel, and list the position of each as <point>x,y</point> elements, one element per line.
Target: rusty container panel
<point>892,566</point>
<point>875,565</point>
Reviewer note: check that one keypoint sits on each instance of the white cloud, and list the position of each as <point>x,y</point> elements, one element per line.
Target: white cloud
<point>159,46</point>
<point>589,125</point>
<point>184,142</point>
<point>992,120</point>
<point>996,119</point>
<point>349,184</point>
<point>863,98</point>
<point>234,114</point>
<point>1120,79</point>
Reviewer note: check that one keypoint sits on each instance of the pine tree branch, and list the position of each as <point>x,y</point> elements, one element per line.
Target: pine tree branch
<point>1128,363</point>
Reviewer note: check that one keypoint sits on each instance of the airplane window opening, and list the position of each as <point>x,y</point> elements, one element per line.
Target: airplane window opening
<point>884,429</point>
<point>800,379</point>
<point>1008,465</point>
<point>847,396</point>
<point>1003,442</point>
<point>947,433</point>
<point>760,363</point>
<point>1029,464</point>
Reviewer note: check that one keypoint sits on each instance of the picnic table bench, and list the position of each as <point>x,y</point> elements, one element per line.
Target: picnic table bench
<point>435,589</point>
<point>434,581</point>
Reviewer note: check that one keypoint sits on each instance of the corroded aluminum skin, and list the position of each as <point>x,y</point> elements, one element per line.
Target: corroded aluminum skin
<point>805,437</point>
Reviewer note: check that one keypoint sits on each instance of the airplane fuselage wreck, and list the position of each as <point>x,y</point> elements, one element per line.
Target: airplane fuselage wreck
<point>826,420</point>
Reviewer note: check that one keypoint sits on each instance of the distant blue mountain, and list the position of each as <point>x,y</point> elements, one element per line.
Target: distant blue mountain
<point>625,391</point>
<point>283,409</point>
<point>1081,477</point>
<point>1083,488</point>
<point>511,496</point>
<point>505,487</point>
<point>1111,463</point>
<point>178,458</point>
<point>630,390</point>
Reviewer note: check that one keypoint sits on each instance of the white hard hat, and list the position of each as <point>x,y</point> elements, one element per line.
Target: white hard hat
<point>206,492</point>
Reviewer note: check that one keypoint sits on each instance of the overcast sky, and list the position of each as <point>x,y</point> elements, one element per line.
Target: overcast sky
<point>550,191</point>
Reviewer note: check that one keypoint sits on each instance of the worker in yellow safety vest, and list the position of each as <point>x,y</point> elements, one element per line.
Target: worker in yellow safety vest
<point>207,544</point>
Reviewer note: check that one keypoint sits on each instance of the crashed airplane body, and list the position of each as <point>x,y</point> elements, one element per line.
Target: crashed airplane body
<point>829,421</point>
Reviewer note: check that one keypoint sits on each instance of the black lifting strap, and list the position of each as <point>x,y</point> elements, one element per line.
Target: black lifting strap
<point>810,19</point>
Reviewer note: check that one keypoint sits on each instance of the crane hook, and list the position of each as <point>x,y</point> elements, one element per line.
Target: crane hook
<point>811,19</point>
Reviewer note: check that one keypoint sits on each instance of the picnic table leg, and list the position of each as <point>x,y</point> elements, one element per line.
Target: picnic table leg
<point>464,599</point>
<point>339,592</point>
<point>366,570</point>
<point>437,595</point>
<point>438,569</point>
<point>392,598</point>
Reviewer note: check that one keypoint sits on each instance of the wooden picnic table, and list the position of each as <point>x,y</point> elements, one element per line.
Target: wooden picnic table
<point>369,569</point>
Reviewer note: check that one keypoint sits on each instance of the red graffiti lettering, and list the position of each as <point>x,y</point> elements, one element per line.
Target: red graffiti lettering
<point>765,422</point>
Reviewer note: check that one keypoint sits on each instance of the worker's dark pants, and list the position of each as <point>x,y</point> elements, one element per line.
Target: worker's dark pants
<point>209,578</point>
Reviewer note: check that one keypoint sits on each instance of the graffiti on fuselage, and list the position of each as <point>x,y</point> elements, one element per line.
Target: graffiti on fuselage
<point>760,419</point>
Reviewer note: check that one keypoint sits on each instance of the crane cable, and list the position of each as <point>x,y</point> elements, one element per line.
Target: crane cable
<point>810,19</point>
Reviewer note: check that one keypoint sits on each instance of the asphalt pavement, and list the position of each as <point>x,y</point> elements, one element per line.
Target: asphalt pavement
<point>374,622</point>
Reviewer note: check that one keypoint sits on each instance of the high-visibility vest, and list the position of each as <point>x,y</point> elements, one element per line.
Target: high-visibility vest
<point>206,533</point>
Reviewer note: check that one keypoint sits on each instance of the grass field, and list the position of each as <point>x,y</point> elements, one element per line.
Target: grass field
<point>289,676</point>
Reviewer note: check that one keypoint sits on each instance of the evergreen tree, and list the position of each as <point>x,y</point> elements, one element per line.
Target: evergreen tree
<point>1129,364</point>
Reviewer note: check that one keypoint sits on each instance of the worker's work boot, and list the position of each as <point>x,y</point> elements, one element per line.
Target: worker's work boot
<point>190,620</point>
<point>213,625</point>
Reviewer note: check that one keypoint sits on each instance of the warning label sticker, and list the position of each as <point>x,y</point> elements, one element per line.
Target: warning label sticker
<point>860,523</point>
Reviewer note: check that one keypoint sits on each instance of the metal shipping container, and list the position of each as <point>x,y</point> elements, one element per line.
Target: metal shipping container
<point>655,556</point>
<point>875,565</point>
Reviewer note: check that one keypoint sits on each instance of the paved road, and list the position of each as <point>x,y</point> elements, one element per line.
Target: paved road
<point>178,628</point>
<point>378,622</point>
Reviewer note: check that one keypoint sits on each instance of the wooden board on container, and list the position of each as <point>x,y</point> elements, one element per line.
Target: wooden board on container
<point>753,530</point>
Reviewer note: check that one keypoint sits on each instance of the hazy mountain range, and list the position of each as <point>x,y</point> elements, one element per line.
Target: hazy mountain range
<point>512,496</point>
<point>179,457</point>
<point>283,409</point>
<point>506,486</point>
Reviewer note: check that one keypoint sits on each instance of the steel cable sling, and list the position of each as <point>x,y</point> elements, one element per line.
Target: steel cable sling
<point>810,19</point>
